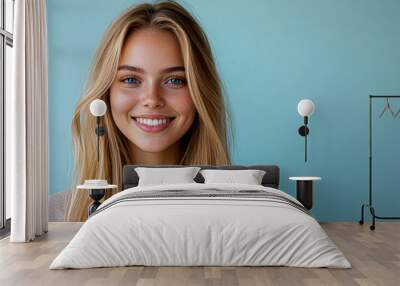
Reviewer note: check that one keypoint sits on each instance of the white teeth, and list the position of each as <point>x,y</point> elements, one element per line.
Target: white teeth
<point>152,122</point>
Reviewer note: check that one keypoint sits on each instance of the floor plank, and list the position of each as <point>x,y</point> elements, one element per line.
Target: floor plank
<point>374,255</point>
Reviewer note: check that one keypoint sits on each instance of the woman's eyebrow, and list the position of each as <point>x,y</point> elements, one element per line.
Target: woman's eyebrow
<point>140,70</point>
<point>131,68</point>
<point>172,69</point>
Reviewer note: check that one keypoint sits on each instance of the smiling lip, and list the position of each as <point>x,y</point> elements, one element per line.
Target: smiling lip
<point>152,122</point>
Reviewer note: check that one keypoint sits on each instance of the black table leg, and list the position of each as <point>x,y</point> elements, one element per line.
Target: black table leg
<point>96,195</point>
<point>305,193</point>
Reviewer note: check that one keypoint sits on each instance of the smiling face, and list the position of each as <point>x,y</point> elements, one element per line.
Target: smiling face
<point>150,100</point>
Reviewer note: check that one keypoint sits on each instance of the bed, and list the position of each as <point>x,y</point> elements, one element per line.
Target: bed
<point>201,224</point>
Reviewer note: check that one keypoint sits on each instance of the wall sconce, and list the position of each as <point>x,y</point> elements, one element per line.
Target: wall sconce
<point>305,108</point>
<point>97,187</point>
<point>98,108</point>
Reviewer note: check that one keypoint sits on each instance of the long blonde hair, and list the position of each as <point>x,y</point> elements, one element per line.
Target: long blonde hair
<point>206,142</point>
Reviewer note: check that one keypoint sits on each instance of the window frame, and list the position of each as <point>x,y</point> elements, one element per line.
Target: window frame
<point>6,39</point>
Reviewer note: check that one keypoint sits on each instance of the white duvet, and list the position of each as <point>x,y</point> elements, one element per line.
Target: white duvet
<point>200,231</point>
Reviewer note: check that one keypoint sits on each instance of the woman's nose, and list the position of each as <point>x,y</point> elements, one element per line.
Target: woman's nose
<point>152,98</point>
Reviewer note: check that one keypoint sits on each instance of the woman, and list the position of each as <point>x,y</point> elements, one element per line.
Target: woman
<point>155,70</point>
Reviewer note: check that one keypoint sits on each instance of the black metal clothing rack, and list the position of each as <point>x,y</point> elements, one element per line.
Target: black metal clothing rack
<point>369,205</point>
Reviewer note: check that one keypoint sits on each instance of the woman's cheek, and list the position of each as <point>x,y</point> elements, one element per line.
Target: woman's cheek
<point>122,100</point>
<point>183,104</point>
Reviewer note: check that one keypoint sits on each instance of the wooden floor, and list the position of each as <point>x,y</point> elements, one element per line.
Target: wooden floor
<point>374,255</point>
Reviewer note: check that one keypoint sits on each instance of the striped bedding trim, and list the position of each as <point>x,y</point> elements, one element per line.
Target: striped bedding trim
<point>206,194</point>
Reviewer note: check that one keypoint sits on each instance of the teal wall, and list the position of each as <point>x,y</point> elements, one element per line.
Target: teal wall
<point>270,54</point>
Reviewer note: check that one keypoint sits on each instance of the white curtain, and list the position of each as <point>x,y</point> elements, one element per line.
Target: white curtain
<point>27,135</point>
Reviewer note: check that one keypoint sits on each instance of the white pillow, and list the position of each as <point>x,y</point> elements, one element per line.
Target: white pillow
<point>248,177</point>
<point>167,175</point>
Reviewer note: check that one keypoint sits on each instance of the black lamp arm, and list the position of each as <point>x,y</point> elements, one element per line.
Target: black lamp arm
<point>304,131</point>
<point>100,131</point>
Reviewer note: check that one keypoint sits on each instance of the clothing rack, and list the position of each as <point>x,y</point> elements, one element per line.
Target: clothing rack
<point>370,205</point>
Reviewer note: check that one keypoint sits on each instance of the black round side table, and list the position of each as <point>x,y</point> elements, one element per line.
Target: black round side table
<point>304,189</point>
<point>96,193</point>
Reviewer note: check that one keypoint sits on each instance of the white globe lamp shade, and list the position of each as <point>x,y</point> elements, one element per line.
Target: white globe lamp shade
<point>98,107</point>
<point>305,107</point>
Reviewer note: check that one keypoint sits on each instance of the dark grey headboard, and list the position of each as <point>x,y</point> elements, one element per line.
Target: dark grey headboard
<point>130,178</point>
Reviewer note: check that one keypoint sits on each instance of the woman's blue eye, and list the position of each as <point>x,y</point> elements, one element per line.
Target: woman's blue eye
<point>130,80</point>
<point>176,81</point>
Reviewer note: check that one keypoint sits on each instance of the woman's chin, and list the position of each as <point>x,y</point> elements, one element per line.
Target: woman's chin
<point>153,148</point>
